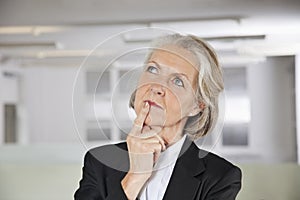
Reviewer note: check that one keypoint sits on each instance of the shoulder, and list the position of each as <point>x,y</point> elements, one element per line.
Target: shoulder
<point>110,155</point>
<point>216,163</point>
<point>109,148</point>
<point>221,178</point>
<point>211,162</point>
<point>207,165</point>
<point>218,167</point>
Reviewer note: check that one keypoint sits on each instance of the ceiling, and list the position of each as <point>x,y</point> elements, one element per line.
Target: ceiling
<point>65,31</point>
<point>76,12</point>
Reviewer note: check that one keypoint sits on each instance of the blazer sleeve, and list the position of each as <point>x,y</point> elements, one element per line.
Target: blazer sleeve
<point>227,187</point>
<point>88,183</point>
<point>93,184</point>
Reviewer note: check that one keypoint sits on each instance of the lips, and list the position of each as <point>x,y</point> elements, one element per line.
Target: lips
<point>152,103</point>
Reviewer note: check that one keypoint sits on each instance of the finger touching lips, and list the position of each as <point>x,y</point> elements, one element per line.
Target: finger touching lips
<point>140,119</point>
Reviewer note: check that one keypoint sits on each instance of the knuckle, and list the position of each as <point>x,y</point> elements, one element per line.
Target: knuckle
<point>137,121</point>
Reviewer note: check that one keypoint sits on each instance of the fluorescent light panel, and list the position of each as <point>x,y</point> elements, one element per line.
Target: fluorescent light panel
<point>27,44</point>
<point>33,30</point>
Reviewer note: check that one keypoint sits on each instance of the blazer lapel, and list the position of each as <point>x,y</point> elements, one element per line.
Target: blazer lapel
<point>183,183</point>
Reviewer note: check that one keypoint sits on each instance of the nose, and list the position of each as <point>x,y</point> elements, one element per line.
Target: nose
<point>158,89</point>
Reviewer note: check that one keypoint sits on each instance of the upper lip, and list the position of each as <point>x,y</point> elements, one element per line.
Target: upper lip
<point>152,103</point>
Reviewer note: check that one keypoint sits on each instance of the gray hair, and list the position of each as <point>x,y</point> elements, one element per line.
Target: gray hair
<point>210,81</point>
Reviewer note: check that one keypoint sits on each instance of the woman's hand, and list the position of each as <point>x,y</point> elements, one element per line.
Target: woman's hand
<point>144,147</point>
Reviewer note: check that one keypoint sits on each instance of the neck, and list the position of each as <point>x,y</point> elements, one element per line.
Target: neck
<point>172,134</point>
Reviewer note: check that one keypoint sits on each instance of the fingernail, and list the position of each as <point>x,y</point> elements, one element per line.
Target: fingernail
<point>146,104</point>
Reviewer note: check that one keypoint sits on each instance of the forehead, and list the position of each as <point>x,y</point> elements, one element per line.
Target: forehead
<point>179,59</point>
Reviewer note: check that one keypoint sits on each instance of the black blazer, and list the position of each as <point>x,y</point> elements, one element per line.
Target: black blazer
<point>197,175</point>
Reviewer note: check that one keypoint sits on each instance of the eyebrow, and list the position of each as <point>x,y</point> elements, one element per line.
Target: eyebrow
<point>158,65</point>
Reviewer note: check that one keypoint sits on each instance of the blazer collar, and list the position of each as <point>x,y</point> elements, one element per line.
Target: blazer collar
<point>184,183</point>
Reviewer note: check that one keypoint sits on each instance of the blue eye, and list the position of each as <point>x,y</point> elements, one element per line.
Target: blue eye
<point>177,81</point>
<point>152,70</point>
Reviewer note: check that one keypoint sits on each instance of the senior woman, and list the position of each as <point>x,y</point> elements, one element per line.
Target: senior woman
<point>176,102</point>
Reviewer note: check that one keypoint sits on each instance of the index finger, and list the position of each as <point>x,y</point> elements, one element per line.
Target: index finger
<point>141,117</point>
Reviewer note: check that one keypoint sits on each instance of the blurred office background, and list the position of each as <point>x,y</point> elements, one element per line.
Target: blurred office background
<point>52,99</point>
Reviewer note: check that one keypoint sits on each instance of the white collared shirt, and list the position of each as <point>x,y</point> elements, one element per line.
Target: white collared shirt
<point>155,187</point>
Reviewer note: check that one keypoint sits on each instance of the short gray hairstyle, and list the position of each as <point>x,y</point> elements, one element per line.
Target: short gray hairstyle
<point>210,81</point>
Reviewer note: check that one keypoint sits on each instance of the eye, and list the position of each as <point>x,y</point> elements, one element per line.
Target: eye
<point>152,69</point>
<point>177,81</point>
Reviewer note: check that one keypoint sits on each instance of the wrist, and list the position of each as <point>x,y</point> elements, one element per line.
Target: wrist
<point>132,183</point>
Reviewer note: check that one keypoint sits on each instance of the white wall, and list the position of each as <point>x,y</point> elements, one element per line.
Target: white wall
<point>272,126</point>
<point>48,101</point>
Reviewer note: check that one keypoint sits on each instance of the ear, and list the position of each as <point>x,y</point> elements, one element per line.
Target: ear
<point>197,108</point>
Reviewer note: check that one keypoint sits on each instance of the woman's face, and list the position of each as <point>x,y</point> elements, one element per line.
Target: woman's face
<point>168,84</point>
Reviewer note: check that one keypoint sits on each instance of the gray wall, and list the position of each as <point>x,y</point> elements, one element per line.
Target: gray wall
<point>272,125</point>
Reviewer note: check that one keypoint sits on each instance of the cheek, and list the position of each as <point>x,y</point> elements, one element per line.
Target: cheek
<point>179,106</point>
<point>173,107</point>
